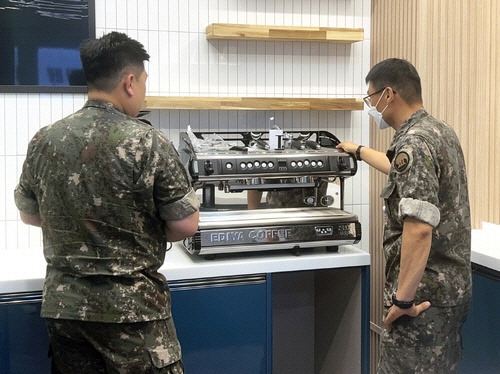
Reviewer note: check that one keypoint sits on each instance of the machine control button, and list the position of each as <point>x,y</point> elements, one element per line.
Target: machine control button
<point>320,163</point>
<point>307,162</point>
<point>293,164</point>
<point>229,165</point>
<point>313,164</point>
<point>209,167</point>
<point>270,164</point>
<point>249,165</point>
<point>300,164</point>
<point>256,164</point>
<point>264,165</point>
<point>243,165</point>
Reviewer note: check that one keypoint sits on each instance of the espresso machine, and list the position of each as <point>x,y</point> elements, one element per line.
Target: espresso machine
<point>235,162</point>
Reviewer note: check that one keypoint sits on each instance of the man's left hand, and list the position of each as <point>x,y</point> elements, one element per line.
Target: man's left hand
<point>396,312</point>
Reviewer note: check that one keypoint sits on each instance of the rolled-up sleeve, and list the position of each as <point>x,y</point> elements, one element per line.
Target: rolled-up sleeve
<point>180,209</point>
<point>25,202</point>
<point>24,197</point>
<point>421,210</point>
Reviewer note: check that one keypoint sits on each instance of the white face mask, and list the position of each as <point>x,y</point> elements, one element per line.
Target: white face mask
<point>377,116</point>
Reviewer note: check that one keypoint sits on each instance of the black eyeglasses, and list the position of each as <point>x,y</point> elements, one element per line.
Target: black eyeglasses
<point>367,99</point>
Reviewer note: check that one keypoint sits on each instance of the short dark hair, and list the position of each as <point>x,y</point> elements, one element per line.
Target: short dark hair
<point>399,74</point>
<point>104,59</point>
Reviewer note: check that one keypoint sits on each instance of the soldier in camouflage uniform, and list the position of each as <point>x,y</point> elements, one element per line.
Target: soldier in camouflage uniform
<point>427,233</point>
<point>108,191</point>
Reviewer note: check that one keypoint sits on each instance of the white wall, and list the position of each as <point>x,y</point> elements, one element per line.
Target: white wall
<point>184,63</point>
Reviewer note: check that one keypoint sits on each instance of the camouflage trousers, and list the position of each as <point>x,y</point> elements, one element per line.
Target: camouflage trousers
<point>126,348</point>
<point>430,343</point>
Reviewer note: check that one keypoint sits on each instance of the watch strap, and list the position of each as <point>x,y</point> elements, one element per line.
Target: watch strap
<point>358,152</point>
<point>401,304</point>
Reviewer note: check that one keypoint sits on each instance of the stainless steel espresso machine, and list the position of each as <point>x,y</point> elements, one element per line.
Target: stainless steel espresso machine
<point>233,162</point>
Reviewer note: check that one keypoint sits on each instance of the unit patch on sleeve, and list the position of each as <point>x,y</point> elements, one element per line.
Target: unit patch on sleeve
<point>403,161</point>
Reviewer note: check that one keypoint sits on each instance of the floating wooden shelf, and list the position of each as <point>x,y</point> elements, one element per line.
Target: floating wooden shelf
<point>283,33</point>
<point>251,103</point>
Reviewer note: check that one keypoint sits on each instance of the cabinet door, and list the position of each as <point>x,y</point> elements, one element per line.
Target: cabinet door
<point>24,341</point>
<point>223,325</point>
<point>481,330</point>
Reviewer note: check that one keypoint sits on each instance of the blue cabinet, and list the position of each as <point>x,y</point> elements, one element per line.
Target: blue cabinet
<point>23,337</point>
<point>303,321</point>
<point>223,325</point>
<point>481,332</point>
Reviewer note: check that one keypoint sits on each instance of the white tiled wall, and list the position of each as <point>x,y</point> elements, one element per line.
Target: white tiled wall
<point>184,63</point>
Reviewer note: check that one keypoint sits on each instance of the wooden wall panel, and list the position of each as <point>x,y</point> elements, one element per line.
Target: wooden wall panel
<point>455,47</point>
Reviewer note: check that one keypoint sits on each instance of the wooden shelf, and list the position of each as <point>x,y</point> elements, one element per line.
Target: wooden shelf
<point>283,33</point>
<point>251,103</point>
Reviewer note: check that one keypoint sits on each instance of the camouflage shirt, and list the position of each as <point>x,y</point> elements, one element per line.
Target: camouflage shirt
<point>104,184</point>
<point>428,181</point>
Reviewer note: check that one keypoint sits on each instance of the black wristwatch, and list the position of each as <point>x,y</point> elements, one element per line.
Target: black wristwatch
<point>401,304</point>
<point>358,152</point>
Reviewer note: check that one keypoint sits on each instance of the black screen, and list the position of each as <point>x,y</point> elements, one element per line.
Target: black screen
<point>39,43</point>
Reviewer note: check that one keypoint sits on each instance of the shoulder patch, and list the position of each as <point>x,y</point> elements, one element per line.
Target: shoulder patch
<point>403,161</point>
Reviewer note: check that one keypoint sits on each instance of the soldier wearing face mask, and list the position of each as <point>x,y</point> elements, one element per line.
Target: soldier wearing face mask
<point>427,232</point>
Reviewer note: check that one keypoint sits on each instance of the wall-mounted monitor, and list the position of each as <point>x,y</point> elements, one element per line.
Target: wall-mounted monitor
<point>39,43</point>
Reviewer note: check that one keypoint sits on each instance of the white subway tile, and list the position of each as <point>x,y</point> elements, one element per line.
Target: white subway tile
<point>194,62</point>
<point>13,166</point>
<point>173,61</point>
<point>11,234</point>
<point>194,24</point>
<point>222,67</point>
<point>163,19</point>
<point>184,57</point>
<point>110,14</point>
<point>251,68</point>
<point>21,126</point>
<point>232,68</point>
<point>100,14</point>
<point>121,18</point>
<point>10,118</point>
<point>163,63</point>
<point>260,69</point>
<point>153,15</point>
<point>242,68</point>
<point>3,238</point>
<point>4,194</point>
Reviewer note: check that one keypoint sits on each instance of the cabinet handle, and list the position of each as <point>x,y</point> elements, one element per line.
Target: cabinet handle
<point>217,282</point>
<point>17,298</point>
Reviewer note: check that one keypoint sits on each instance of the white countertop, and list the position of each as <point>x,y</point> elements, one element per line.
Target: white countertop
<point>486,249</point>
<point>24,270</point>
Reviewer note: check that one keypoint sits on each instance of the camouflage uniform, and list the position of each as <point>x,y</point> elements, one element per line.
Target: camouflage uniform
<point>427,181</point>
<point>104,184</point>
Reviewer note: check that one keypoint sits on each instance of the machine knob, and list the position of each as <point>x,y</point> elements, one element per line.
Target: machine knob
<point>327,200</point>
<point>309,200</point>
<point>209,167</point>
